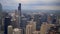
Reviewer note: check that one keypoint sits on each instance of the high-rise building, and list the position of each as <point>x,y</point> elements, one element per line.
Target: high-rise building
<point>10,29</point>
<point>54,30</point>
<point>0,7</point>
<point>49,19</point>
<point>59,24</point>
<point>33,25</point>
<point>15,18</point>
<point>19,7</point>
<point>59,21</point>
<point>17,31</point>
<point>19,13</point>
<point>45,27</point>
<point>0,16</point>
<point>38,18</point>
<point>29,29</point>
<point>7,21</point>
<point>52,19</point>
<point>36,32</point>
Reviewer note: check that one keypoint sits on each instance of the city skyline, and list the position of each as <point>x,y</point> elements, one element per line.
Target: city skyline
<point>31,4</point>
<point>29,17</point>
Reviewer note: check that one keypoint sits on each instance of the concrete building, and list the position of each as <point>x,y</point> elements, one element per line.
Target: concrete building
<point>45,28</point>
<point>36,32</point>
<point>10,29</point>
<point>29,29</point>
<point>16,17</point>
<point>59,21</point>
<point>33,24</point>
<point>17,31</point>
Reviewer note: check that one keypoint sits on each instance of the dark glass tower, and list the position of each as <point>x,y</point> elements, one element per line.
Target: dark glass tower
<point>19,7</point>
<point>19,13</point>
<point>7,22</point>
<point>0,7</point>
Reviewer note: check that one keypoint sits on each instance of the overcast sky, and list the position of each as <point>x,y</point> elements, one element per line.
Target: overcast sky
<point>32,4</point>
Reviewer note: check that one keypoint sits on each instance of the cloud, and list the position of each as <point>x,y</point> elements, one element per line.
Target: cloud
<point>37,7</point>
<point>41,4</point>
<point>10,4</point>
<point>47,7</point>
<point>30,4</point>
<point>39,1</point>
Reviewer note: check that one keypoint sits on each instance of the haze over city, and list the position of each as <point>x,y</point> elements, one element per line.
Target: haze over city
<point>31,4</point>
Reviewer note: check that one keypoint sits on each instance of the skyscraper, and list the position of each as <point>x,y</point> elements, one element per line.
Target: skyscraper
<point>17,31</point>
<point>19,7</point>
<point>33,25</point>
<point>0,16</point>
<point>0,7</point>
<point>44,28</point>
<point>59,21</point>
<point>19,13</point>
<point>29,29</point>
<point>7,22</point>
<point>10,29</point>
<point>59,24</point>
<point>36,32</point>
